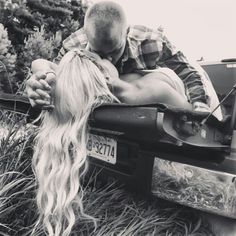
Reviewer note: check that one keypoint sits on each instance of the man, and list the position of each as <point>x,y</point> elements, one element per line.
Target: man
<point>129,48</point>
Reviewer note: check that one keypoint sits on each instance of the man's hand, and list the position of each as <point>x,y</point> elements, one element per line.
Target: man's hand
<point>201,107</point>
<point>39,88</point>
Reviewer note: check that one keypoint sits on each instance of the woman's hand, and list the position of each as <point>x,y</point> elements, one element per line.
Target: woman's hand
<point>39,88</point>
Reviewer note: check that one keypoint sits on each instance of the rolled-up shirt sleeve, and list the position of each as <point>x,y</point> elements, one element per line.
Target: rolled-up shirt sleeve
<point>78,39</point>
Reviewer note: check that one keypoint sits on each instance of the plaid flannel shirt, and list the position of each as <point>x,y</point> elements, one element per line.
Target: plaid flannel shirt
<point>148,49</point>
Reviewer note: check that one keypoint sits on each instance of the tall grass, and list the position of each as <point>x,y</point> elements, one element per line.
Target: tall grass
<point>118,212</point>
<point>17,205</point>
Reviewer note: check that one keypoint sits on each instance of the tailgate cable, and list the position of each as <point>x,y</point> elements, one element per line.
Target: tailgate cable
<point>226,96</point>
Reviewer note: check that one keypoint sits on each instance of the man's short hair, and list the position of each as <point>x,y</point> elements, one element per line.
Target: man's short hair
<point>105,14</point>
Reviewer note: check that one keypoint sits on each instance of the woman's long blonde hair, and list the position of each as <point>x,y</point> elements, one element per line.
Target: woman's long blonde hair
<point>60,152</point>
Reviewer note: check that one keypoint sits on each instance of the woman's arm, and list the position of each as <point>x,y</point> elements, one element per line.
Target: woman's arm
<point>163,93</point>
<point>43,65</point>
<point>154,87</point>
<point>151,88</point>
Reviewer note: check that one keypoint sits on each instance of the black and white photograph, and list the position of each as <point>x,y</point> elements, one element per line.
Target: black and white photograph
<point>117,118</point>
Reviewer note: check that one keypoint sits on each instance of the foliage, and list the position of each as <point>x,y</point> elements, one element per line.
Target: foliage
<point>38,46</point>
<point>16,178</point>
<point>52,21</point>
<point>7,61</point>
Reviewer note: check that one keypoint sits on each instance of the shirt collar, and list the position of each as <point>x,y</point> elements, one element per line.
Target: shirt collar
<point>125,55</point>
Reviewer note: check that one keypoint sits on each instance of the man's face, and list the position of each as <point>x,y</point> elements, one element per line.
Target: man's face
<point>110,46</point>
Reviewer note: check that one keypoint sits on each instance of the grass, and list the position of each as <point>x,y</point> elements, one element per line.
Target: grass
<point>118,211</point>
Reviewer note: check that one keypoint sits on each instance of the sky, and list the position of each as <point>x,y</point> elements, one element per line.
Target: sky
<point>199,28</point>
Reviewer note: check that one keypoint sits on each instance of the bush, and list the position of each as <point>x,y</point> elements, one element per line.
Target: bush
<point>25,20</point>
<point>37,46</point>
<point>7,62</point>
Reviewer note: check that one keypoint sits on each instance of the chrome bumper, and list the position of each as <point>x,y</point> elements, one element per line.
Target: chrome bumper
<point>199,188</point>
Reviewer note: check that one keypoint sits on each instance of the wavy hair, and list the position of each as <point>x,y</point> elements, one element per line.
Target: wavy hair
<point>59,158</point>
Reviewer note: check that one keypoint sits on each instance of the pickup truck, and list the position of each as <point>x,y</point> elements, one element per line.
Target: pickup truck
<point>160,151</point>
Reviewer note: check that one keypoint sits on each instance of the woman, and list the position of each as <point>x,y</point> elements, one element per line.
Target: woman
<point>60,153</point>
<point>84,82</point>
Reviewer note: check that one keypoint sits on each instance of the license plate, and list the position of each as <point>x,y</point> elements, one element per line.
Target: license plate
<point>103,148</point>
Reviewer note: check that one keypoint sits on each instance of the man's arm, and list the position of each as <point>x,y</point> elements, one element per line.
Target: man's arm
<point>153,49</point>
<point>78,39</point>
<point>190,76</point>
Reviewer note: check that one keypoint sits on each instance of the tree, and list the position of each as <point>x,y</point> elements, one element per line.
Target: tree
<point>23,20</point>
